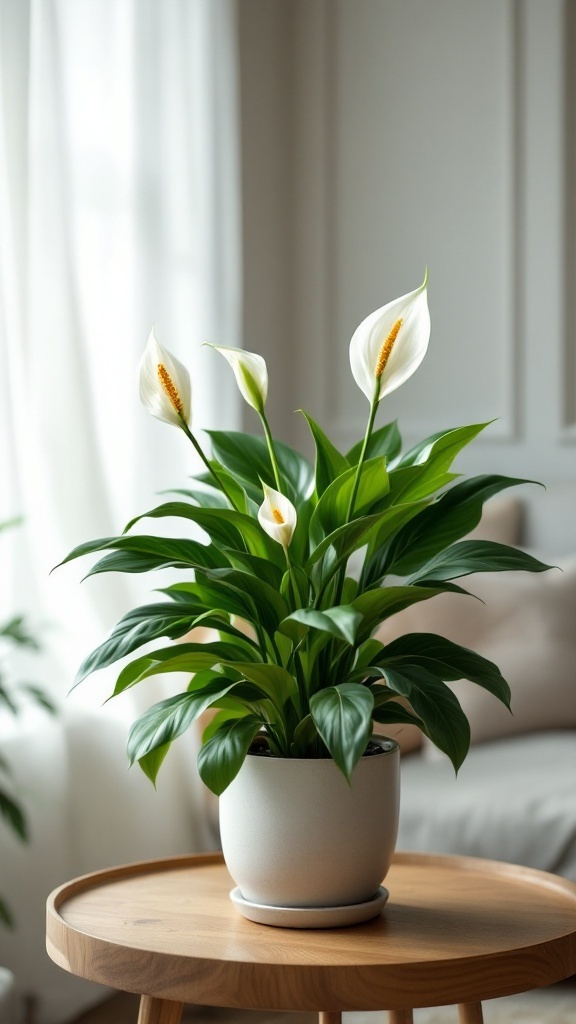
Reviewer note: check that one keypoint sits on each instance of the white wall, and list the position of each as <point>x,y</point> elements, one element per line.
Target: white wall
<point>381,136</point>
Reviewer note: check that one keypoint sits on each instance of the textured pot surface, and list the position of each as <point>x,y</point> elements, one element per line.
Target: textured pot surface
<point>295,834</point>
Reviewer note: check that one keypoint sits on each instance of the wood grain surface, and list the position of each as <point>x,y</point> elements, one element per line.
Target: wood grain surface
<point>455,930</point>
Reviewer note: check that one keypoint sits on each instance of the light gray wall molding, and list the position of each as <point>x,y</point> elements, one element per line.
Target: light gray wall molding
<point>409,133</point>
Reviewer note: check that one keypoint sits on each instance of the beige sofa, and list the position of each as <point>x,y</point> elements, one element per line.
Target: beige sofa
<point>514,798</point>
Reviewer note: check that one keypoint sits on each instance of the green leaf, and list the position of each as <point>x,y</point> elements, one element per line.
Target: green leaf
<point>141,553</point>
<point>444,659</point>
<point>387,710</point>
<point>377,605</point>
<point>341,622</point>
<point>345,539</point>
<point>330,463</point>
<point>452,516</point>
<point>262,602</point>
<point>39,697</point>
<point>13,815</point>
<point>247,458</point>
<point>137,627</point>
<point>151,763</point>
<point>226,527</point>
<point>273,681</point>
<point>225,715</point>
<point>332,508</point>
<point>221,758</point>
<point>470,556</point>
<point>295,588</point>
<point>439,450</point>
<point>343,717</point>
<point>385,441</point>
<point>260,567</point>
<point>438,708</point>
<point>6,917</point>
<point>177,658</point>
<point>161,724</point>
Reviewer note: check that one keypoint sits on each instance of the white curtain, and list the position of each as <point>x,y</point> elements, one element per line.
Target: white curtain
<point>119,208</point>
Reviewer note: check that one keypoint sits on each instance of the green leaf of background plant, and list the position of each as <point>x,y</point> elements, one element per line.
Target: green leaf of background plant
<point>330,463</point>
<point>221,758</point>
<point>343,717</point>
<point>13,816</point>
<point>384,441</point>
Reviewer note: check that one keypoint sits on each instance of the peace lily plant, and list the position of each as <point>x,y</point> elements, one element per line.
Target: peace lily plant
<point>296,662</point>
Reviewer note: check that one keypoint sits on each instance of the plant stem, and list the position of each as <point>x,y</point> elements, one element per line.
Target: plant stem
<point>207,463</point>
<point>271,452</point>
<point>367,435</point>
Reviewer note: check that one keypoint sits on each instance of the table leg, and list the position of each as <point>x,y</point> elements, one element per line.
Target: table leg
<point>329,1018</point>
<point>470,1013</point>
<point>159,1011</point>
<point>400,1017</point>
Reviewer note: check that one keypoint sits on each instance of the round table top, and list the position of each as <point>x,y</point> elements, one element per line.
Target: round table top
<point>454,930</point>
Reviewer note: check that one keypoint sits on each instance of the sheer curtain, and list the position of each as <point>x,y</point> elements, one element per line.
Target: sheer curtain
<point>119,208</point>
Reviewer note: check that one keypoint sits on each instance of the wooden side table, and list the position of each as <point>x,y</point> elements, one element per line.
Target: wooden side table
<point>455,930</point>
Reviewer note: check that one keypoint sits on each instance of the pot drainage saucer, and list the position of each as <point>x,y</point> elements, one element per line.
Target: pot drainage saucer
<point>310,917</point>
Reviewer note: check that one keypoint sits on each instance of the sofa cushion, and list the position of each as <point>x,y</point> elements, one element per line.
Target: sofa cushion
<point>513,800</point>
<point>524,622</point>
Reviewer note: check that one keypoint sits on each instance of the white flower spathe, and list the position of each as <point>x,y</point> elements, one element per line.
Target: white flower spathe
<point>390,343</point>
<point>165,389</point>
<point>250,372</point>
<point>277,516</point>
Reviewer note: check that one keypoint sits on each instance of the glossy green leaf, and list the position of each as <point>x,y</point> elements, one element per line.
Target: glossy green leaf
<point>263,603</point>
<point>444,659</point>
<point>332,508</point>
<point>438,708</point>
<point>221,758</point>
<point>330,463</point>
<point>137,627</point>
<point>384,441</point>
<point>341,622</point>
<point>165,721</point>
<point>377,605</point>
<point>222,716</point>
<point>343,717</point>
<point>452,516</point>
<point>225,527</point>
<point>273,681</point>
<point>261,568</point>
<point>439,450</point>
<point>470,556</point>
<point>178,658</point>
<point>246,456</point>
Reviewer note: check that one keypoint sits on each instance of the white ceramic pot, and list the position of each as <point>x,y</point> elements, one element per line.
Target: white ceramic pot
<point>295,834</point>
